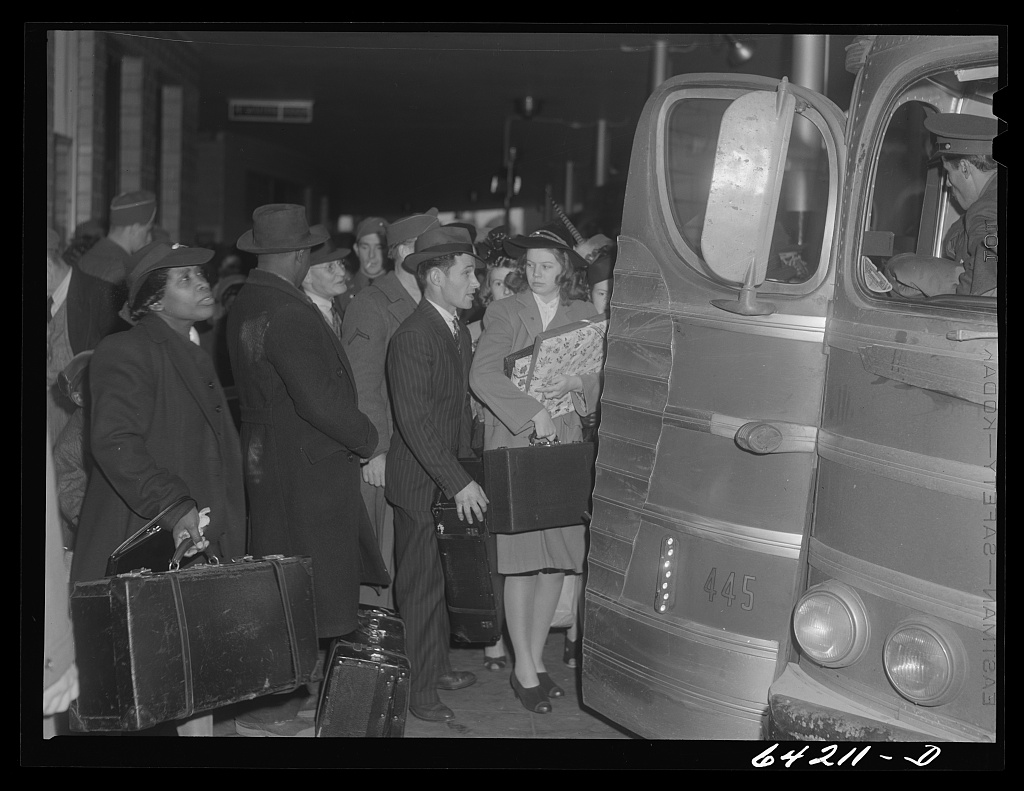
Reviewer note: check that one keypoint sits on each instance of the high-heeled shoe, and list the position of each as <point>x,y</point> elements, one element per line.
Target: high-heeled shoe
<point>495,663</point>
<point>532,698</point>
<point>549,687</point>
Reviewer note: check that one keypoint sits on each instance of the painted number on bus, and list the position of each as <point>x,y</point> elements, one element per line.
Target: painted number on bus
<point>728,589</point>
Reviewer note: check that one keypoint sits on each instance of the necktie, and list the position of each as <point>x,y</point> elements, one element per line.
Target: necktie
<point>336,322</point>
<point>458,334</point>
<point>49,309</point>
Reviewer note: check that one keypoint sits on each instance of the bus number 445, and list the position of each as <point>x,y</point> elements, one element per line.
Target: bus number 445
<point>728,591</point>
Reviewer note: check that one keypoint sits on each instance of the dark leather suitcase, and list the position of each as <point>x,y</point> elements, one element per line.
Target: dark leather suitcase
<point>469,557</point>
<point>155,647</point>
<point>366,685</point>
<point>538,487</point>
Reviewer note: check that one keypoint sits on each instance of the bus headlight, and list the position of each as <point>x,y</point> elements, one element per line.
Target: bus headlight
<point>924,662</point>
<point>831,625</point>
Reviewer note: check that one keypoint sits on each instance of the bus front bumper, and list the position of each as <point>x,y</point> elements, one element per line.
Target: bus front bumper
<point>802,709</point>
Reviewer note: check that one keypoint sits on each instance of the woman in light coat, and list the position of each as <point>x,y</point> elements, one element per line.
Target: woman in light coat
<point>534,563</point>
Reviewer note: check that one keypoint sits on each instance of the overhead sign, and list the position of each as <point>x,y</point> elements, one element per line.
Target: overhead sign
<point>271,111</point>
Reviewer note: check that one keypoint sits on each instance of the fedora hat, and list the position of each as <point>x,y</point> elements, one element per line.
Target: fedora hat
<point>158,255</point>
<point>445,240</point>
<point>553,236</point>
<point>328,251</point>
<point>471,229</point>
<point>279,228</point>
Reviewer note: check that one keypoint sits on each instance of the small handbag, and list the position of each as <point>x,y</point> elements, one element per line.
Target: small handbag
<point>568,602</point>
<point>150,547</point>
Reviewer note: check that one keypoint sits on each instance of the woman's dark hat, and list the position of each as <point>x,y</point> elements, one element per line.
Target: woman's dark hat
<point>328,251</point>
<point>279,228</point>
<point>158,255</point>
<point>445,240</point>
<point>553,236</point>
<point>600,268</point>
<point>492,247</point>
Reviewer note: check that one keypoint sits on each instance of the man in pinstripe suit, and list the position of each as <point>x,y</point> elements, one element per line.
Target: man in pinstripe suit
<point>428,363</point>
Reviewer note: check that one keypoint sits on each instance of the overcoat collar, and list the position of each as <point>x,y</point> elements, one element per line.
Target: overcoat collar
<point>260,278</point>
<point>529,313</point>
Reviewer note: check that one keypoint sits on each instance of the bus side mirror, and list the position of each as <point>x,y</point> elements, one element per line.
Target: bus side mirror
<point>740,220</point>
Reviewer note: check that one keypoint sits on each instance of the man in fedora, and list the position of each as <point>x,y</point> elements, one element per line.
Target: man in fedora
<point>370,320</point>
<point>428,364</point>
<point>302,433</point>
<point>327,279</point>
<point>970,249</point>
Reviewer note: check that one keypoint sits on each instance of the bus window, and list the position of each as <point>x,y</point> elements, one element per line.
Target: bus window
<point>911,212</point>
<point>900,181</point>
<point>796,248</point>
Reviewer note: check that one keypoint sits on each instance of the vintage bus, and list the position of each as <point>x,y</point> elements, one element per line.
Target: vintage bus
<point>793,530</point>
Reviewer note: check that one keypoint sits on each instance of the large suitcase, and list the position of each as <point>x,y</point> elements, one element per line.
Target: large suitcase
<point>538,487</point>
<point>155,647</point>
<point>469,557</point>
<point>366,685</point>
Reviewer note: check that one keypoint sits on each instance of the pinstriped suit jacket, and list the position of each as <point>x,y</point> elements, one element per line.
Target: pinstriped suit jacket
<point>428,382</point>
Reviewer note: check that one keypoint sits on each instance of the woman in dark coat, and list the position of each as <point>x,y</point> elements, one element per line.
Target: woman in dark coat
<point>160,427</point>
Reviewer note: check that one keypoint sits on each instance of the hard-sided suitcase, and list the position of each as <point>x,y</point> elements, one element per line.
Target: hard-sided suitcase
<point>538,487</point>
<point>469,557</point>
<point>155,647</point>
<point>366,684</point>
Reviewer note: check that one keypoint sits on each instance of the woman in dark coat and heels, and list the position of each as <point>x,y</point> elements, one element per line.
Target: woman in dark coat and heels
<point>161,430</point>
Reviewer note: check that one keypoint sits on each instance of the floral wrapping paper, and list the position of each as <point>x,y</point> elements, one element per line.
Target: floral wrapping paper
<point>573,350</point>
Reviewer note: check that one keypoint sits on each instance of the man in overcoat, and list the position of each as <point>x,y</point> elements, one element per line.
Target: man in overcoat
<point>428,364</point>
<point>370,320</point>
<point>302,432</point>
